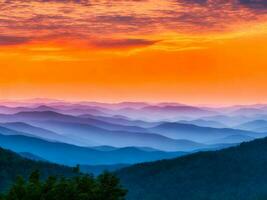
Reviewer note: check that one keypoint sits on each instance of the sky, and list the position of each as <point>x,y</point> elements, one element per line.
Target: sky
<point>190,51</point>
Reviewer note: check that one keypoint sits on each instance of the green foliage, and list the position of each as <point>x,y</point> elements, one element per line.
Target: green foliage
<point>52,181</point>
<point>83,187</point>
<point>107,187</point>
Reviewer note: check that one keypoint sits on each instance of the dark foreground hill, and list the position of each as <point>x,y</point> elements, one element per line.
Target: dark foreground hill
<point>237,173</point>
<point>12,165</point>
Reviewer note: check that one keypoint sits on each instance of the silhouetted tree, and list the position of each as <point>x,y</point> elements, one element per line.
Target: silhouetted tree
<point>77,169</point>
<point>83,187</point>
<point>109,187</point>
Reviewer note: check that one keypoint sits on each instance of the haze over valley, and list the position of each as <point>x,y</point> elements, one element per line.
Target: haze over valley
<point>118,134</point>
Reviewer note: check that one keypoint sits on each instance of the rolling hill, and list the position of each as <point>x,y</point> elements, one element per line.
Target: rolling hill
<point>204,123</point>
<point>230,174</point>
<point>120,120</point>
<point>22,128</point>
<point>71,155</point>
<point>255,125</point>
<point>165,112</point>
<point>248,111</point>
<point>232,139</point>
<point>98,169</point>
<point>101,136</point>
<point>197,133</point>
<point>40,116</point>
<point>79,131</point>
<point>12,165</point>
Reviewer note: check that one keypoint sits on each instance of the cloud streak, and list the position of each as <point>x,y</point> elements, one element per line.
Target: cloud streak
<point>254,4</point>
<point>82,19</point>
<point>122,43</point>
<point>7,40</point>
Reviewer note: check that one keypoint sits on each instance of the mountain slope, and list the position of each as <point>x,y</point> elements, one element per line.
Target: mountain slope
<point>197,133</point>
<point>229,174</point>
<point>232,139</point>
<point>34,131</point>
<point>12,165</point>
<point>119,138</point>
<point>248,111</point>
<point>160,113</point>
<point>31,156</point>
<point>119,120</point>
<point>253,125</point>
<point>98,169</point>
<point>204,123</point>
<point>40,116</point>
<point>71,155</point>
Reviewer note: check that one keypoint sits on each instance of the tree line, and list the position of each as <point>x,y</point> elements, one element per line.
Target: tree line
<point>83,187</point>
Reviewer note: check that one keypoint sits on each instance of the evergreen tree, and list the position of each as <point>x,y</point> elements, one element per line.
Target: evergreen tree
<point>77,169</point>
<point>109,187</point>
<point>18,191</point>
<point>83,187</point>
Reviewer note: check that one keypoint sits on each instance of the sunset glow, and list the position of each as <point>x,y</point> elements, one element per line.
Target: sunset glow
<point>194,51</point>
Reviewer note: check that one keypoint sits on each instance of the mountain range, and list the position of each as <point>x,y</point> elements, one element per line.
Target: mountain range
<point>197,133</point>
<point>160,151</point>
<point>107,134</point>
<point>72,155</point>
<point>255,125</point>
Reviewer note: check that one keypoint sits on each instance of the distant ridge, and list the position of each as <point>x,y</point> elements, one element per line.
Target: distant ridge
<point>196,133</point>
<point>72,155</point>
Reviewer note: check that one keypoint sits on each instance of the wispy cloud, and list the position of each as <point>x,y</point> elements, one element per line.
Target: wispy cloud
<point>13,40</point>
<point>122,43</point>
<point>254,4</point>
<point>42,20</point>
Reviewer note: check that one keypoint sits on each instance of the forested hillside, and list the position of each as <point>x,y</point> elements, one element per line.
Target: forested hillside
<point>12,165</point>
<point>231,174</point>
<point>23,179</point>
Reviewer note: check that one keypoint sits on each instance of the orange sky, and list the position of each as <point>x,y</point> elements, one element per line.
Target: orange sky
<point>194,51</point>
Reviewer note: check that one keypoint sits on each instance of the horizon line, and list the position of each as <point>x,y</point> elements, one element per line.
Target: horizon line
<point>31,101</point>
